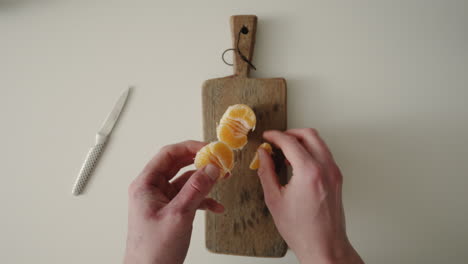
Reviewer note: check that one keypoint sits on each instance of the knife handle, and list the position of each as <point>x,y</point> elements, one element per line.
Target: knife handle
<point>89,164</point>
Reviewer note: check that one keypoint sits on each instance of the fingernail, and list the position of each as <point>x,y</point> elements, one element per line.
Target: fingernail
<point>261,153</point>
<point>261,157</point>
<point>212,171</point>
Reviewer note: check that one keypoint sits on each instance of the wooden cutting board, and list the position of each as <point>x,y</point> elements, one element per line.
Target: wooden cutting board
<point>246,227</point>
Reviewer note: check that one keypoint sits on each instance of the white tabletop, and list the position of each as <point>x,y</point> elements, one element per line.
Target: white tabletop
<point>385,83</point>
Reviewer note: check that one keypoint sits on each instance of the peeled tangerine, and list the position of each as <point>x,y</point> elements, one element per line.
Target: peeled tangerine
<point>218,154</point>
<point>255,164</point>
<point>235,125</point>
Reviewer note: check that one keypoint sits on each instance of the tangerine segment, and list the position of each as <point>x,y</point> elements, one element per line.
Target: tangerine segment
<point>255,164</point>
<point>229,135</point>
<point>224,154</point>
<point>218,154</point>
<point>235,124</point>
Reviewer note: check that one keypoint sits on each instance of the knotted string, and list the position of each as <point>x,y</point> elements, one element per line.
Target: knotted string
<point>244,30</point>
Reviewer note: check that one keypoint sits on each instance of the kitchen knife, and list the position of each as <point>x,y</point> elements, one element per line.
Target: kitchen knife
<point>101,138</point>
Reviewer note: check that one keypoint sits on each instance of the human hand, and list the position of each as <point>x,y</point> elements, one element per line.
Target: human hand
<point>161,211</point>
<point>308,211</point>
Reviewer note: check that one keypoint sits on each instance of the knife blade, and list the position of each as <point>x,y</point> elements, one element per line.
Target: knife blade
<point>101,139</point>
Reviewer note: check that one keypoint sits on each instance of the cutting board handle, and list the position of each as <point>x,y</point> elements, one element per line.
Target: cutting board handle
<point>246,42</point>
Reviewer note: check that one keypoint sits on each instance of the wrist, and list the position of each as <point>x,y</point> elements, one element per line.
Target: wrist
<point>152,257</point>
<point>337,255</point>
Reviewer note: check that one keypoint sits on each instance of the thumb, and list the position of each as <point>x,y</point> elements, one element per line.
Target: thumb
<point>268,176</point>
<point>196,188</point>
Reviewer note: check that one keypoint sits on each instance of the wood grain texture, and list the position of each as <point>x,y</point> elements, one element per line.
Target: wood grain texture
<point>245,42</point>
<point>246,227</point>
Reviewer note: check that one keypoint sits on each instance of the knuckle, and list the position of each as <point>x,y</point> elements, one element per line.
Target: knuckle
<point>315,173</point>
<point>318,181</point>
<point>201,181</point>
<point>311,131</point>
<point>134,189</point>
<point>166,148</point>
<point>290,138</point>
<point>316,169</point>
<point>262,171</point>
<point>173,211</point>
<point>335,174</point>
<point>317,184</point>
<point>177,213</point>
<point>281,135</point>
<point>190,142</point>
<point>313,168</point>
<point>273,132</point>
<point>153,212</point>
<point>196,186</point>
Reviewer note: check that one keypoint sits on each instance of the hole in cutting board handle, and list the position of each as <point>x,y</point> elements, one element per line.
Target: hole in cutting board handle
<point>244,30</point>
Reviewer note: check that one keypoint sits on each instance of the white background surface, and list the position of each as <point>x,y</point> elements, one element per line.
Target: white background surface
<point>385,82</point>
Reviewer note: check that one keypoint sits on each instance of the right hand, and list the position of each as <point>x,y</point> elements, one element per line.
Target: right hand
<point>308,211</point>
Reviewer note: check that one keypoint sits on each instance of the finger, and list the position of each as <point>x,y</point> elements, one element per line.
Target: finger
<point>170,160</point>
<point>196,189</point>
<point>212,205</point>
<point>296,154</point>
<point>164,186</point>
<point>313,143</point>
<point>179,182</point>
<point>268,177</point>
<point>170,189</point>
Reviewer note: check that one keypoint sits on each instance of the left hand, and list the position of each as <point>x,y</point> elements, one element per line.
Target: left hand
<point>161,212</point>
